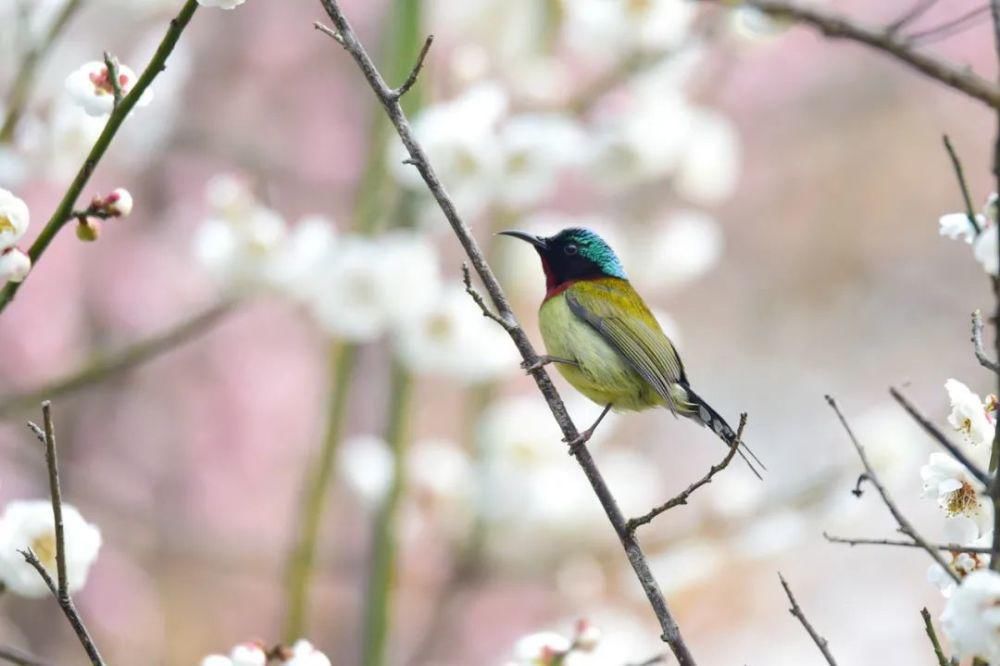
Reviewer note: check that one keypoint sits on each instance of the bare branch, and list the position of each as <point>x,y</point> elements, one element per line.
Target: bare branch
<point>904,525</point>
<point>941,439</point>
<point>885,40</point>
<point>977,343</point>
<point>994,488</point>
<point>796,611</point>
<point>949,547</point>
<point>911,15</point>
<point>956,164</point>
<point>478,298</point>
<point>932,635</point>
<point>682,498</point>
<point>949,28</point>
<point>671,632</point>
<point>60,589</point>
<point>415,72</point>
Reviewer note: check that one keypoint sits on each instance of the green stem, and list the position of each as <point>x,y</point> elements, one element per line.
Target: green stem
<point>932,635</point>
<point>63,212</point>
<point>302,560</point>
<point>20,91</point>
<point>383,551</point>
<point>125,359</point>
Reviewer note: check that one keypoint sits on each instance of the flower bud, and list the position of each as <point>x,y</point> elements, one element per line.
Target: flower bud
<point>14,265</point>
<point>119,203</point>
<point>88,230</point>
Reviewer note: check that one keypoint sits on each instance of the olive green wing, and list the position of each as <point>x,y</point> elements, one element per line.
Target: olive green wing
<point>616,311</point>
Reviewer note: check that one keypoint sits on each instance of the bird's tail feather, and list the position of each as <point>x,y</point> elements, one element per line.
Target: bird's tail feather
<point>707,416</point>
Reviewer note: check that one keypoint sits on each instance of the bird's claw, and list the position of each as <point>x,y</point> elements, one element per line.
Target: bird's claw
<point>579,441</point>
<point>537,364</point>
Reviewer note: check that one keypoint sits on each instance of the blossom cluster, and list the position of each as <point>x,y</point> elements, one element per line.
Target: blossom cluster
<point>14,218</point>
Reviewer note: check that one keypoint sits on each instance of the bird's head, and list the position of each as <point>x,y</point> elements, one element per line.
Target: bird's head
<point>573,254</point>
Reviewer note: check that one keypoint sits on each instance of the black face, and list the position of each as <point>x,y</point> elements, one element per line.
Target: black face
<point>572,254</point>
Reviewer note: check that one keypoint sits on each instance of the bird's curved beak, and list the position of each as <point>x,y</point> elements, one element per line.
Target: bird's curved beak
<point>537,241</point>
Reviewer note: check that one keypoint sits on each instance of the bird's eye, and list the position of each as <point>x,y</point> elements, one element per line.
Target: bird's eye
<point>570,250</point>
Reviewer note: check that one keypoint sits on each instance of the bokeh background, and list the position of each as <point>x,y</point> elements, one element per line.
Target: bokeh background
<point>818,269</point>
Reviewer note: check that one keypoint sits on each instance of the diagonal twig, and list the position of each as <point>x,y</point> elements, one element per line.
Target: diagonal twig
<point>796,611</point>
<point>60,588</point>
<point>948,547</point>
<point>956,165</point>
<point>19,657</point>
<point>940,438</point>
<point>345,36</point>
<point>889,42</point>
<point>682,498</point>
<point>905,527</point>
<point>478,298</point>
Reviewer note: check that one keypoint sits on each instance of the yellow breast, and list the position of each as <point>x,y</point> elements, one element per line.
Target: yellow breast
<point>600,372</point>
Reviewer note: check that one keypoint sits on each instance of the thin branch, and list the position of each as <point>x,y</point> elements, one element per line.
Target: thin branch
<point>671,632</point>
<point>682,498</point>
<point>977,343</point>
<point>949,28</point>
<point>947,547</point>
<point>478,298</point>
<point>911,15</point>
<point>61,215</point>
<point>415,72</point>
<point>60,590</point>
<point>19,657</point>
<point>796,611</point>
<point>994,488</point>
<point>887,41</point>
<point>113,78</point>
<point>940,438</point>
<point>20,92</point>
<point>932,635</point>
<point>956,164</point>
<point>904,525</point>
<point>119,361</point>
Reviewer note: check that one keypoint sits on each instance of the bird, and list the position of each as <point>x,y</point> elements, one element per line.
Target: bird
<point>603,339</point>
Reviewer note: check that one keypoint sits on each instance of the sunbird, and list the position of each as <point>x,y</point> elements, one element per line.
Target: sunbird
<point>604,340</point>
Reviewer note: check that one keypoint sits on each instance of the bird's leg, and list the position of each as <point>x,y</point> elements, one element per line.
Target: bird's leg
<point>544,360</point>
<point>585,436</point>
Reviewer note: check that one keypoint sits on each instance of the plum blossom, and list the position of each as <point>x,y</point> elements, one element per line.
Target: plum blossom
<point>302,653</point>
<point>971,618</point>
<point>962,532</point>
<point>372,284</point>
<point>957,226</point>
<point>535,148</point>
<point>455,339</point>
<point>91,88</point>
<point>968,414</point>
<point>29,525</point>
<point>710,165</point>
<point>679,248</point>
<point>947,480</point>
<point>221,4</point>
<point>14,219</point>
<point>653,25</point>
<point>366,463</point>
<point>14,265</point>
<point>985,250</point>
<point>244,654</point>
<point>984,243</point>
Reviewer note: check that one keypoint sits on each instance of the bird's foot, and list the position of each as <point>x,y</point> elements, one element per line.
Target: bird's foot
<point>579,441</point>
<point>542,361</point>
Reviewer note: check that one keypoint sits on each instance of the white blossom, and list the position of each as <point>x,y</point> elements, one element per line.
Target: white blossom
<point>710,166</point>
<point>455,339</point>
<point>244,654</point>
<point>372,284</point>
<point>14,265</point>
<point>957,226</point>
<point>540,648</point>
<point>535,148</point>
<point>679,248</point>
<point>221,4</point>
<point>985,249</point>
<point>968,414</point>
<point>14,219</point>
<point>947,480</point>
<point>971,618</point>
<point>597,26</point>
<point>119,202</point>
<point>91,88</point>
<point>29,525</point>
<point>310,245</point>
<point>71,134</point>
<point>961,531</point>
<point>366,462</point>
<point>304,654</point>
